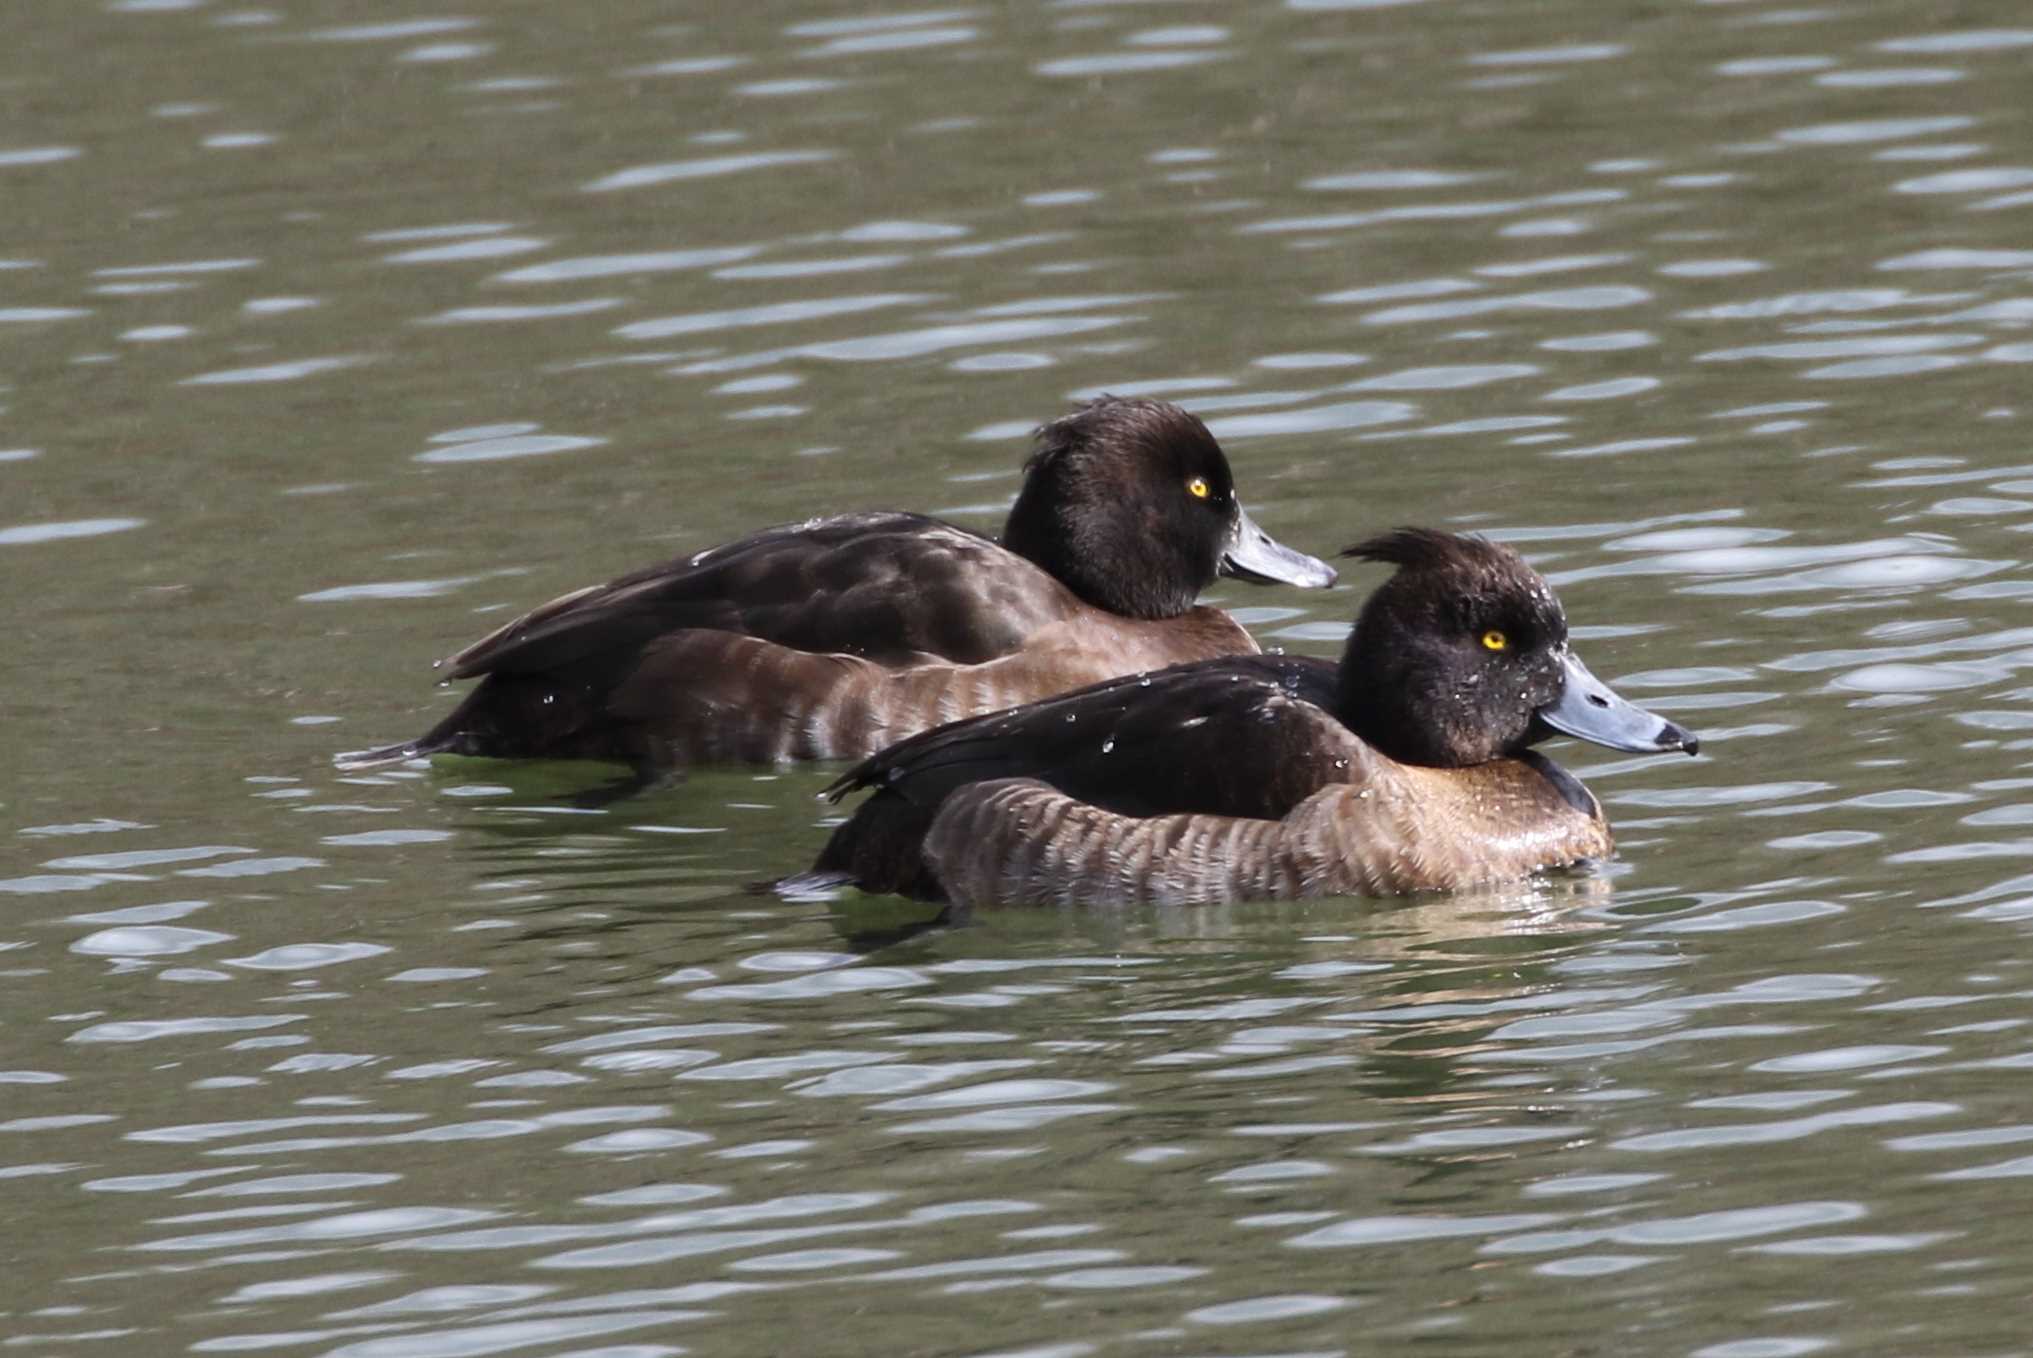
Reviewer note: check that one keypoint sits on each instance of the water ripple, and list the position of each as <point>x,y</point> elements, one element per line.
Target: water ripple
<point>703,167</point>
<point>291,371</point>
<point>147,941</point>
<point>29,533</point>
<point>1789,1129</point>
<point>777,313</point>
<point>584,267</point>
<point>1121,63</point>
<point>1398,1230</point>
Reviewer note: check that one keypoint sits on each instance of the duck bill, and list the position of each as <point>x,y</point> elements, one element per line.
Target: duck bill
<point>1256,556</point>
<point>1589,709</point>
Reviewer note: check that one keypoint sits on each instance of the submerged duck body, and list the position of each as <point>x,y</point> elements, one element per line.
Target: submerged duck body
<point>838,636</point>
<point>1406,767</point>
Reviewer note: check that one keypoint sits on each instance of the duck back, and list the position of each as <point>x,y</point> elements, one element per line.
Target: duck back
<point>891,587</point>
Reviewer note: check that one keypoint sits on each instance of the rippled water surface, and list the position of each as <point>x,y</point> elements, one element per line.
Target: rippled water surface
<point>329,332</point>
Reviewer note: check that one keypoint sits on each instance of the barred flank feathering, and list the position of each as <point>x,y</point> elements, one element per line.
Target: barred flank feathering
<point>1017,840</point>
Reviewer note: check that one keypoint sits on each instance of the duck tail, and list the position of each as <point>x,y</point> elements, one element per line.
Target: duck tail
<point>447,735</point>
<point>352,761</point>
<point>816,885</point>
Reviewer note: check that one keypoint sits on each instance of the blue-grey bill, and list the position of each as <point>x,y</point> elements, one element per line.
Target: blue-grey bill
<point>1256,556</point>
<point>1589,709</point>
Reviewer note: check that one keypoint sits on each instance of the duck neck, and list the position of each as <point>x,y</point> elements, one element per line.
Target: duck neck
<point>1133,575</point>
<point>1394,697</point>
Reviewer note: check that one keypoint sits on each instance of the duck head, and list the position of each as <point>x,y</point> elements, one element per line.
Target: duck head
<point>1132,504</point>
<point>1463,656</point>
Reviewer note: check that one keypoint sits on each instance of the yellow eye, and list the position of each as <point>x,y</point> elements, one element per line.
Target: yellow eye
<point>1198,488</point>
<point>1495,640</point>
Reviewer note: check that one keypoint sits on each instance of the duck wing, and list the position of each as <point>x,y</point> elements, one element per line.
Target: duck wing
<point>890,587</point>
<point>1238,736</point>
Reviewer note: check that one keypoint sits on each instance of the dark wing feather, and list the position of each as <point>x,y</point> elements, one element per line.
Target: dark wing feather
<point>888,586</point>
<point>1242,736</point>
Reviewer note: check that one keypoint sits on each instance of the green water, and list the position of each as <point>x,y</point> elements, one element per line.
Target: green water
<point>331,334</point>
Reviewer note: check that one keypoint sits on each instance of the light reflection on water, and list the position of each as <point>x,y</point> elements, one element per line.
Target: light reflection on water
<point>1707,314</point>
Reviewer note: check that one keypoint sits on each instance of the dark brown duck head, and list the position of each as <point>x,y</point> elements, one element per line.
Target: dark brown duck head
<point>1132,504</point>
<point>1462,656</point>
